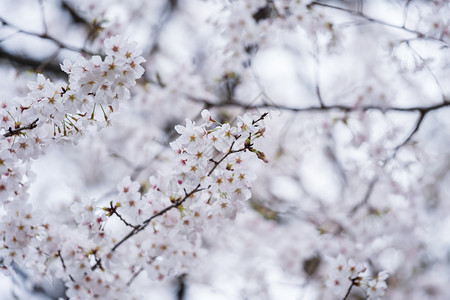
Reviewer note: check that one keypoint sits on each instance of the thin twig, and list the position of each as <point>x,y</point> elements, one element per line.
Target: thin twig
<point>413,132</point>
<point>373,20</point>
<point>425,64</point>
<point>317,79</point>
<point>46,36</point>
<point>17,131</point>
<point>366,196</point>
<point>77,18</point>
<point>64,264</point>
<point>178,202</point>
<point>141,227</point>
<point>405,12</point>
<point>114,211</point>
<point>47,61</point>
<point>135,275</point>
<point>260,118</point>
<point>349,289</point>
<point>216,163</point>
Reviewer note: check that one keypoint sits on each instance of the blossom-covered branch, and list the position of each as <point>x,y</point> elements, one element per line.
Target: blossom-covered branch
<point>19,130</point>
<point>211,166</point>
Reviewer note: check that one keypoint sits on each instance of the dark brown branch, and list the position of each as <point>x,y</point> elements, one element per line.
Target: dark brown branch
<point>135,275</point>
<point>350,288</point>
<point>216,163</point>
<point>64,264</point>
<point>113,210</point>
<point>410,136</point>
<point>317,80</point>
<point>98,261</point>
<point>17,131</point>
<point>260,118</point>
<point>326,108</point>
<point>247,146</point>
<point>319,96</point>
<point>181,290</point>
<point>139,228</point>
<point>423,110</point>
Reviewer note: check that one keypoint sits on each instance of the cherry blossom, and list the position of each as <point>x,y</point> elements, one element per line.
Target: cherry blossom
<point>246,149</point>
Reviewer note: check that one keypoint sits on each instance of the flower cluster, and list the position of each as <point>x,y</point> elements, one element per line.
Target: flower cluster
<point>201,150</point>
<point>250,24</point>
<point>379,198</point>
<point>165,222</point>
<point>375,287</point>
<point>50,113</point>
<point>344,274</point>
<point>104,82</point>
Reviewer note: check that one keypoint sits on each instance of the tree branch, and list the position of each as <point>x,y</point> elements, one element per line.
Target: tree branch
<point>350,288</point>
<point>141,227</point>
<point>64,264</point>
<point>410,136</point>
<point>325,108</point>
<point>423,110</point>
<point>181,290</point>
<point>366,196</point>
<point>180,201</point>
<point>427,67</point>
<point>113,211</point>
<point>77,18</point>
<point>17,131</point>
<point>135,275</point>
<point>46,36</point>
